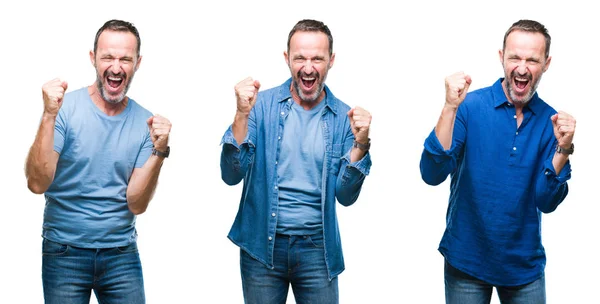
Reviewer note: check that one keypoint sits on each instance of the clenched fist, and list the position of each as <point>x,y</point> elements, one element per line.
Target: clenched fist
<point>160,128</point>
<point>245,93</point>
<point>360,121</point>
<point>457,86</point>
<point>564,128</point>
<point>53,92</point>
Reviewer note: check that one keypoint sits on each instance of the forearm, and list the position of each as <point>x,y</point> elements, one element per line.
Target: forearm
<point>436,163</point>
<point>234,163</point>
<point>240,126</point>
<point>445,126</point>
<point>142,185</point>
<point>357,154</point>
<point>351,178</point>
<point>551,187</point>
<point>559,161</point>
<point>550,193</point>
<point>41,160</point>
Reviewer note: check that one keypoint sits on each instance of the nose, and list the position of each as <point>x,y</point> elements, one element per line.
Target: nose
<point>522,67</point>
<point>115,67</point>
<point>308,66</point>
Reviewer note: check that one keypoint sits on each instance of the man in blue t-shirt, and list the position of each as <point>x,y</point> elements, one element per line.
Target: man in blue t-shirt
<point>96,157</point>
<point>297,148</point>
<point>507,152</point>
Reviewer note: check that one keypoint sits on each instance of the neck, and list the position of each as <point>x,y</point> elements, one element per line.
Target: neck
<point>109,108</point>
<point>306,105</point>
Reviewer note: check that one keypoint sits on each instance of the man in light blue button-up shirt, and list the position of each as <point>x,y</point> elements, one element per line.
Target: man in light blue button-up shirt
<point>297,148</point>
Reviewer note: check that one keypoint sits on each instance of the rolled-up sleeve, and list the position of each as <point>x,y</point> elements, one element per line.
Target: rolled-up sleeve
<point>236,158</point>
<point>436,163</point>
<point>550,188</point>
<point>352,175</point>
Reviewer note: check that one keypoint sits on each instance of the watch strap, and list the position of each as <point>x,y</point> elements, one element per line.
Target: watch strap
<point>162,154</point>
<point>364,147</point>
<point>562,150</point>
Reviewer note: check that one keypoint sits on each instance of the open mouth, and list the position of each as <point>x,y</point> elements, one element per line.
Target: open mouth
<point>114,81</point>
<point>521,83</point>
<point>308,82</point>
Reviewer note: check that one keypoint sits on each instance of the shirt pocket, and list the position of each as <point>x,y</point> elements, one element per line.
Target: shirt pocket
<point>335,156</point>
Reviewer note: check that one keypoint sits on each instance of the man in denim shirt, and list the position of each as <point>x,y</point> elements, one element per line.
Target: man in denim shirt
<point>507,152</point>
<point>297,148</point>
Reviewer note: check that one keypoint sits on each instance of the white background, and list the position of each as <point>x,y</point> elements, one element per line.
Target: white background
<point>391,59</point>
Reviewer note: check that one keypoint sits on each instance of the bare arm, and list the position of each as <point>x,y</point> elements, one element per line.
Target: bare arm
<point>143,181</point>
<point>142,184</point>
<point>564,130</point>
<point>360,122</point>
<point>42,159</point>
<point>457,86</point>
<point>246,92</point>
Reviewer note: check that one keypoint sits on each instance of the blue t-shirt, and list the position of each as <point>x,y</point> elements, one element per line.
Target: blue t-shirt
<point>86,204</point>
<point>299,169</point>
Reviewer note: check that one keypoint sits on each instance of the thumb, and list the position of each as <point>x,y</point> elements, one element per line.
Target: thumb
<point>257,85</point>
<point>554,118</point>
<point>149,121</point>
<point>64,85</point>
<point>467,85</point>
<point>468,80</point>
<point>351,113</point>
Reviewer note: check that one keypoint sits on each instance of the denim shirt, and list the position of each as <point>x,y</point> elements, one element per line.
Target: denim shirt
<point>255,162</point>
<point>502,178</point>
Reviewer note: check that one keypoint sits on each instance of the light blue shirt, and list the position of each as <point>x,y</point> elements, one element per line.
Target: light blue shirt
<point>86,204</point>
<point>299,171</point>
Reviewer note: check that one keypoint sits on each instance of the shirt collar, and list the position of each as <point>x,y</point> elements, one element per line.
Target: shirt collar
<point>535,104</point>
<point>284,94</point>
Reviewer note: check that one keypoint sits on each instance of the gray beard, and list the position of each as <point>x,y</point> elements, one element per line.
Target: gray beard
<point>310,98</point>
<point>105,94</point>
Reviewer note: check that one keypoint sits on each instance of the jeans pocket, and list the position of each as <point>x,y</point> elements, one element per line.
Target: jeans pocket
<point>53,248</point>
<point>316,240</point>
<point>128,248</point>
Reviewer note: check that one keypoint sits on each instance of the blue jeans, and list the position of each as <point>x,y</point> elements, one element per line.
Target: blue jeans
<point>298,261</point>
<point>69,274</point>
<point>462,288</point>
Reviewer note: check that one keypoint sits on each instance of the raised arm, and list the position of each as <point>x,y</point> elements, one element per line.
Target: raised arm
<point>143,181</point>
<point>457,86</point>
<point>355,166</point>
<point>439,157</point>
<point>235,153</point>
<point>42,159</point>
<point>551,186</point>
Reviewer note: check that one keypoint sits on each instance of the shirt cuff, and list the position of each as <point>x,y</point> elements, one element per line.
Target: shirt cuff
<point>435,149</point>
<point>363,165</point>
<point>228,138</point>
<point>563,176</point>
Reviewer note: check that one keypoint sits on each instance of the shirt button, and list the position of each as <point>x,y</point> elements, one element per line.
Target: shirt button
<point>517,132</point>
<point>276,161</point>
<point>270,238</point>
<point>515,148</point>
<point>547,173</point>
<point>282,113</point>
<point>273,214</point>
<point>515,116</point>
<point>279,137</point>
<point>277,187</point>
